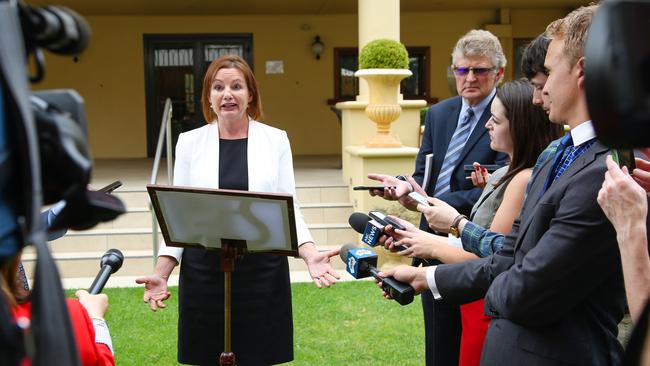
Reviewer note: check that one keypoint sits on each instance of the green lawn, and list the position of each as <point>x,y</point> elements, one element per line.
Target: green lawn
<point>349,324</point>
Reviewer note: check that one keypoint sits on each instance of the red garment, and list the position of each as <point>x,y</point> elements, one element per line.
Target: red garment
<point>90,353</point>
<point>475,324</point>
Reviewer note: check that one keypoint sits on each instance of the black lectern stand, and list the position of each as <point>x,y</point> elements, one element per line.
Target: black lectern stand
<point>230,250</point>
<point>232,222</point>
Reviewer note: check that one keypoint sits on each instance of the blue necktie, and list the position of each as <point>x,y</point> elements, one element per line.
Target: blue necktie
<point>566,154</point>
<point>456,145</point>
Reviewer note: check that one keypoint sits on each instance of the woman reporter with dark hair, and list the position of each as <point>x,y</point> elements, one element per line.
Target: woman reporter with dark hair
<point>235,151</point>
<point>521,130</point>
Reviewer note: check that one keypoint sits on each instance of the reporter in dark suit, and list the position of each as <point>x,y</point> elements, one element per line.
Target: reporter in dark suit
<point>456,135</point>
<point>555,289</point>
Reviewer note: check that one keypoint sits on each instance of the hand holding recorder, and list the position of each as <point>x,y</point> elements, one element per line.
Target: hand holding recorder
<point>362,262</point>
<point>414,277</point>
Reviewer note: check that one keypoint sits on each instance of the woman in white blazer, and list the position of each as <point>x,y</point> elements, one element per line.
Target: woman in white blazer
<point>235,151</point>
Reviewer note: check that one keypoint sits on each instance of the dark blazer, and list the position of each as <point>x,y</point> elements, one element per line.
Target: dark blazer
<point>441,121</point>
<point>555,290</point>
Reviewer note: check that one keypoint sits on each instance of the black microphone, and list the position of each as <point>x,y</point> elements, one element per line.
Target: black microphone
<point>111,261</point>
<point>361,263</point>
<point>372,227</point>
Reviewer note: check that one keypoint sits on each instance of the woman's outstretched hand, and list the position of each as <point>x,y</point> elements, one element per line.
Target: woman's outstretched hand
<point>319,266</point>
<point>155,290</point>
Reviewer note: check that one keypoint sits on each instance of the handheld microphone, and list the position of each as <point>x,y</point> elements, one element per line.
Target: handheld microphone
<point>372,227</point>
<point>361,263</point>
<point>111,261</point>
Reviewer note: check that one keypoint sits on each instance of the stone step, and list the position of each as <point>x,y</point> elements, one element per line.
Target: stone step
<point>314,213</point>
<point>323,194</point>
<point>138,197</point>
<point>135,217</point>
<point>78,253</point>
<point>324,213</point>
<point>326,208</point>
<point>86,265</point>
<point>102,239</point>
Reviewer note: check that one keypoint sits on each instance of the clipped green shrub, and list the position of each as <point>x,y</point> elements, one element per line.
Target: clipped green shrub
<point>383,54</point>
<point>423,115</point>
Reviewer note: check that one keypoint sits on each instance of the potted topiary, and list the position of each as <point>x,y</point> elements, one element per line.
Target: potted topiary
<point>383,63</point>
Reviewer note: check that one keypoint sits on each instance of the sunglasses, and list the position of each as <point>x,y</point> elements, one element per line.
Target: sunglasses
<point>478,71</point>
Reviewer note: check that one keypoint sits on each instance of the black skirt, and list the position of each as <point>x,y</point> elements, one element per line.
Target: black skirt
<point>262,325</point>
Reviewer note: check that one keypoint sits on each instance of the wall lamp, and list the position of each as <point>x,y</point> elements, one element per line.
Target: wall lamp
<point>317,47</point>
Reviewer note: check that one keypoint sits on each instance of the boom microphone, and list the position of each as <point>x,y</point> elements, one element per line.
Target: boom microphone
<point>361,263</point>
<point>111,261</point>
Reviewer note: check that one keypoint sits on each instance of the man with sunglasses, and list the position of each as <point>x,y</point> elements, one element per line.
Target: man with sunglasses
<point>455,134</point>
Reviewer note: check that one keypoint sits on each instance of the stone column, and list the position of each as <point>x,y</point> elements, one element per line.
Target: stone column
<point>503,31</point>
<point>377,19</point>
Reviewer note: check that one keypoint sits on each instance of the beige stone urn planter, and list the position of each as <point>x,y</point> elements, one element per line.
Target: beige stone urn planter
<point>383,104</point>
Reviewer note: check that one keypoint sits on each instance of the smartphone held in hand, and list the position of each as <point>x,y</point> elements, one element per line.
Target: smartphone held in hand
<point>385,220</point>
<point>624,157</point>
<point>419,198</point>
<point>490,168</point>
<point>369,188</point>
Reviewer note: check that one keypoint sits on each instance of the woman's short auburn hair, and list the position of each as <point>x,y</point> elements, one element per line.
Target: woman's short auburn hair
<point>254,110</point>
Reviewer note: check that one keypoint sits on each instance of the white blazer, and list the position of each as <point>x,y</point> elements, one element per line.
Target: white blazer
<point>270,167</point>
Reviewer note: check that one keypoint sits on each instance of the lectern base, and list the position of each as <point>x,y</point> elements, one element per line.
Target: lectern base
<point>227,359</point>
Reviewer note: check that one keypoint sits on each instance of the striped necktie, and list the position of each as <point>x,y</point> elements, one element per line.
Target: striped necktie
<point>456,145</point>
